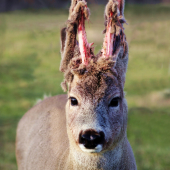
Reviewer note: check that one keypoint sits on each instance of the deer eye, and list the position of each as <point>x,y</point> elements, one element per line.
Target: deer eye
<point>74,101</point>
<point>114,102</point>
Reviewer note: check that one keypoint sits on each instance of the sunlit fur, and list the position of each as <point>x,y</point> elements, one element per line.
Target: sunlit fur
<point>48,134</point>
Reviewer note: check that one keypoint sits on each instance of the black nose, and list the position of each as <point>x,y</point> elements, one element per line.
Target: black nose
<point>90,138</point>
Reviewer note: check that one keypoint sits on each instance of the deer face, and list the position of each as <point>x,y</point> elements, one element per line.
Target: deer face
<point>96,121</point>
<point>96,109</point>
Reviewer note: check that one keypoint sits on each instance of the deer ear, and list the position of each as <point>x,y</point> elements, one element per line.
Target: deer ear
<point>63,39</point>
<point>68,43</point>
<point>121,4</point>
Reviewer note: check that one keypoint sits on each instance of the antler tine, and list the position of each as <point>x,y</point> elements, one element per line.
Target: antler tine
<point>114,27</point>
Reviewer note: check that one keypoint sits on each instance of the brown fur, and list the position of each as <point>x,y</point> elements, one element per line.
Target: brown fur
<point>48,134</point>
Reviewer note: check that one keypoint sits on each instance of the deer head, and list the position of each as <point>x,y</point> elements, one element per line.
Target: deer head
<point>96,110</point>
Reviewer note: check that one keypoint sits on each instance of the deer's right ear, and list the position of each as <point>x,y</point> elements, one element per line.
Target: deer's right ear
<point>63,39</point>
<point>68,43</point>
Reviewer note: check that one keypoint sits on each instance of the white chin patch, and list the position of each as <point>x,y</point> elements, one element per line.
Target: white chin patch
<point>97,149</point>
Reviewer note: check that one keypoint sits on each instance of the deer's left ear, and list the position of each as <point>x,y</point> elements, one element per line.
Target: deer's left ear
<point>122,58</point>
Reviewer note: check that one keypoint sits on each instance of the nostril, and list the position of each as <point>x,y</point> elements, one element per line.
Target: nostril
<point>90,139</point>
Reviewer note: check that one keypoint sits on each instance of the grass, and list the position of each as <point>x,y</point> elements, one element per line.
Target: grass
<point>149,137</point>
<point>29,68</point>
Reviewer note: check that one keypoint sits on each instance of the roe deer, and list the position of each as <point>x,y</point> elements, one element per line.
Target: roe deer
<point>85,129</point>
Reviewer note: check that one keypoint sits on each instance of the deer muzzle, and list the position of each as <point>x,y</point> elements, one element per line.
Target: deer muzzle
<point>91,141</point>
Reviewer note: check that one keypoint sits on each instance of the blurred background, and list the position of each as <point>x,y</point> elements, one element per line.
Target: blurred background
<point>29,70</point>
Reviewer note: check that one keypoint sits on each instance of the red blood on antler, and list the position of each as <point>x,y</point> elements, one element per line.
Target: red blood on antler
<point>114,30</point>
<point>83,43</point>
<point>108,40</point>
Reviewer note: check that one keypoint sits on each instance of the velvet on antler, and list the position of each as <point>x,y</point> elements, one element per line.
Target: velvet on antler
<point>114,28</point>
<point>79,12</point>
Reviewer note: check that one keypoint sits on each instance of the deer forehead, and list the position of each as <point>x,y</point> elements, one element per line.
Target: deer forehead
<point>90,89</point>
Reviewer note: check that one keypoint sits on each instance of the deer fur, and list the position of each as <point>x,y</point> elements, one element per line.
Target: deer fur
<point>48,135</point>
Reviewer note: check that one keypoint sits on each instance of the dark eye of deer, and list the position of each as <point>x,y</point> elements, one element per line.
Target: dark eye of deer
<point>74,101</point>
<point>114,102</point>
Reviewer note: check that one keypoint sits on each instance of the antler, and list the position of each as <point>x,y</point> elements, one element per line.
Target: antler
<point>78,13</point>
<point>83,43</point>
<point>114,27</point>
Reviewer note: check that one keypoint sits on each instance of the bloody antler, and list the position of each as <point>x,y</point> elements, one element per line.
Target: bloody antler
<point>84,46</point>
<point>108,40</point>
<point>78,13</point>
<point>114,29</point>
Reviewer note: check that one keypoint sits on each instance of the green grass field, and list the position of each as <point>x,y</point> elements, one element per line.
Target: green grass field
<point>29,68</point>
